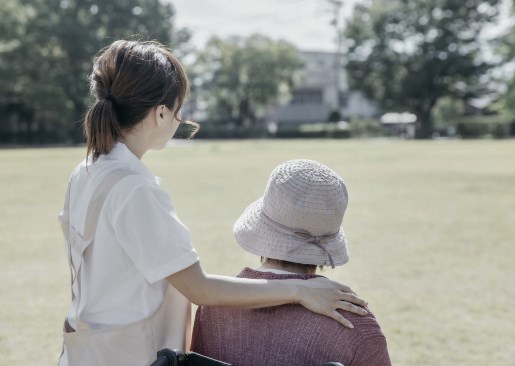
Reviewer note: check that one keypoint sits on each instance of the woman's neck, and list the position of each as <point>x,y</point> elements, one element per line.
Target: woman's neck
<point>134,144</point>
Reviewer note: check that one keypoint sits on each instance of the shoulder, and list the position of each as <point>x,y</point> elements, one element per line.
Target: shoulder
<point>124,180</point>
<point>124,185</point>
<point>366,326</point>
<point>369,344</point>
<point>140,194</point>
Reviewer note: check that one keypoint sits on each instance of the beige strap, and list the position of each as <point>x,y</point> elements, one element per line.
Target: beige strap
<point>66,230</point>
<point>92,215</point>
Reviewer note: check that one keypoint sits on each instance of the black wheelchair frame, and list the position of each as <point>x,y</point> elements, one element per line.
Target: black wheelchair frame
<point>169,357</point>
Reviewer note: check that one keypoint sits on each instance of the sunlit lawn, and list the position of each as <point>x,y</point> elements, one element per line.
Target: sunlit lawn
<point>431,228</point>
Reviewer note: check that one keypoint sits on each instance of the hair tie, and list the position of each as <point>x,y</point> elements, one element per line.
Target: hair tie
<point>110,98</point>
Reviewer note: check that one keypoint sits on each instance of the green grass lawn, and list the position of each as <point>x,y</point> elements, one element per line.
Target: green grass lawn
<point>431,229</point>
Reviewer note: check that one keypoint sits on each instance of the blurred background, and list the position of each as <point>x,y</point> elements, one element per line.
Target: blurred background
<point>288,68</point>
<point>411,101</point>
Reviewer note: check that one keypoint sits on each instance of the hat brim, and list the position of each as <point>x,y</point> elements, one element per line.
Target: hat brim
<point>256,235</point>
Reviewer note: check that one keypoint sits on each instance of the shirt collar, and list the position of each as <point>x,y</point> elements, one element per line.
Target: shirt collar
<point>122,153</point>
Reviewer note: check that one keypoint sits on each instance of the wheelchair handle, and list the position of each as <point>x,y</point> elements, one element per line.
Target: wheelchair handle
<point>168,357</point>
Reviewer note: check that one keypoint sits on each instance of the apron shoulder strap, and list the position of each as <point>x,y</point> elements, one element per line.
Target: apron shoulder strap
<point>97,202</point>
<point>92,216</point>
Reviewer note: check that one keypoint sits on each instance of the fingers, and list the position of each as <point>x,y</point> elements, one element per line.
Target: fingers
<point>347,306</point>
<point>353,299</point>
<point>343,305</point>
<point>345,288</point>
<point>340,297</point>
<point>341,319</point>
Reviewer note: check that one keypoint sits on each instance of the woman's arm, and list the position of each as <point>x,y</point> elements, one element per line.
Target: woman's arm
<point>319,295</point>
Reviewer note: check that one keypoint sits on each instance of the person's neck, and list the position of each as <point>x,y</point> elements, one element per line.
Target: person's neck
<point>289,268</point>
<point>133,143</point>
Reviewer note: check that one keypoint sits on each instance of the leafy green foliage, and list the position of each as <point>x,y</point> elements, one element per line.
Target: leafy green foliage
<point>365,128</point>
<point>496,126</point>
<point>447,111</point>
<point>407,55</point>
<point>238,76</point>
<point>47,49</point>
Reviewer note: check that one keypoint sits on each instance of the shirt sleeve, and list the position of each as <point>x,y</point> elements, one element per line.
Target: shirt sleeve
<point>148,229</point>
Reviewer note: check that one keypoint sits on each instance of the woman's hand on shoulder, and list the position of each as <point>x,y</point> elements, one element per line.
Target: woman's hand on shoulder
<point>325,297</point>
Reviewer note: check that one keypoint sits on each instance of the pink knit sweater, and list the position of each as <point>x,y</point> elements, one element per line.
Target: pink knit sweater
<point>286,335</point>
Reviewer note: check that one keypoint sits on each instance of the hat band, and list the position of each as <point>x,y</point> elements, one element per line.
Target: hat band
<point>304,235</point>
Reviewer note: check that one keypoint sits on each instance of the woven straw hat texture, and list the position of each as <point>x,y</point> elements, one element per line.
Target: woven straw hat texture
<point>301,195</point>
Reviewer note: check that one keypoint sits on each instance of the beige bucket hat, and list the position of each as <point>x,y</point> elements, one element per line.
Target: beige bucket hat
<point>299,217</point>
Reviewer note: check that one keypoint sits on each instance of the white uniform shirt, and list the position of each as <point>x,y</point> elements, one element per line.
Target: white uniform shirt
<point>139,241</point>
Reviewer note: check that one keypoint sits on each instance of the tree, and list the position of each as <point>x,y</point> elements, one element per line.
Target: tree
<point>239,76</point>
<point>506,103</point>
<point>47,50</point>
<point>407,54</point>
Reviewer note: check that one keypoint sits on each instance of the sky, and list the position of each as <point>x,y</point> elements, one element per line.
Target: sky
<point>305,23</point>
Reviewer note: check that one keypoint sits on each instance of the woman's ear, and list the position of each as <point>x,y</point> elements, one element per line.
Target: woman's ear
<point>160,114</point>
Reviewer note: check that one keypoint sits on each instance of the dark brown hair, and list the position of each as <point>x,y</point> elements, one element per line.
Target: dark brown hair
<point>129,78</point>
<point>310,268</point>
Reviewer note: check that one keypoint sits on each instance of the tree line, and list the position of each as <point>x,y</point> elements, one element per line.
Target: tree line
<point>422,56</point>
<point>46,54</point>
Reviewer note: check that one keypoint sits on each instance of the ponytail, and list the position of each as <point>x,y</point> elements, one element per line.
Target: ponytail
<point>129,78</point>
<point>101,127</point>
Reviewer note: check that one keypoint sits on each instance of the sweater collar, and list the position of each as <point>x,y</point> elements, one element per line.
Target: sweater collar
<point>252,273</point>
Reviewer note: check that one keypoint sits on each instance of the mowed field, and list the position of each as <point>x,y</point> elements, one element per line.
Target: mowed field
<point>431,229</point>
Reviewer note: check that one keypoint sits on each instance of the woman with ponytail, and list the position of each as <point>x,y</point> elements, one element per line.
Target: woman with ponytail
<point>133,267</point>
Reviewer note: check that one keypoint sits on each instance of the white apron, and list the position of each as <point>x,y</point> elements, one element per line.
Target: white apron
<point>136,343</point>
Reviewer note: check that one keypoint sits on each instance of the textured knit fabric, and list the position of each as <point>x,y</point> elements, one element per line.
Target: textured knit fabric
<point>286,335</point>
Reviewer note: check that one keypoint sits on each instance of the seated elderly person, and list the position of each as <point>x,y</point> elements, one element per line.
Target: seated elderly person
<point>294,227</point>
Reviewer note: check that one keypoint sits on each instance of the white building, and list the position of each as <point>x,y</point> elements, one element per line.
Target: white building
<point>322,88</point>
